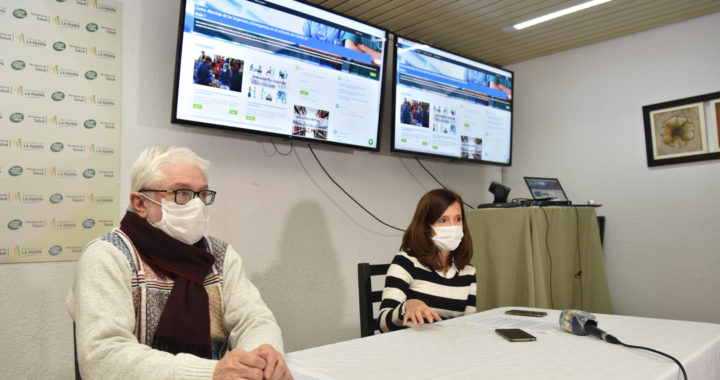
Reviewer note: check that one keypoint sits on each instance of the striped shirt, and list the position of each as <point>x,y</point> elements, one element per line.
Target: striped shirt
<point>408,279</point>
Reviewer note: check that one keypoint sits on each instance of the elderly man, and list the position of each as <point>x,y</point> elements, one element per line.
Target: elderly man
<point>158,298</point>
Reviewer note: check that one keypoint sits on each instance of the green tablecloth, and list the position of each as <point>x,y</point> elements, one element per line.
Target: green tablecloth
<point>531,256</point>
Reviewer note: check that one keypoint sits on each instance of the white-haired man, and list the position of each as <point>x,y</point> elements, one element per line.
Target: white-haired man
<point>158,298</point>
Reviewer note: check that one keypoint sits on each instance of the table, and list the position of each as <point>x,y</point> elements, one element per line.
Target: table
<point>460,349</point>
<point>530,256</point>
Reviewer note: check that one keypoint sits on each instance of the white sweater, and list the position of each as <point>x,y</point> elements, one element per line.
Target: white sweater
<point>100,302</point>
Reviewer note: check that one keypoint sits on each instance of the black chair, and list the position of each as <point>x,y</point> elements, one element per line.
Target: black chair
<point>77,367</point>
<point>367,296</point>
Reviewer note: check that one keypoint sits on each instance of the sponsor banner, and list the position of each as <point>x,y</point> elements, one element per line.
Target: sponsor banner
<point>60,100</point>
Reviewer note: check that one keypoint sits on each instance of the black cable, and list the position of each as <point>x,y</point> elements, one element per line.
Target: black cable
<point>655,351</point>
<point>579,274</point>
<point>436,180</point>
<point>346,193</point>
<point>547,247</point>
<point>279,152</point>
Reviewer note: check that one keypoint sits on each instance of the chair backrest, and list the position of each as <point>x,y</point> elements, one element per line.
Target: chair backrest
<point>367,296</point>
<point>77,367</point>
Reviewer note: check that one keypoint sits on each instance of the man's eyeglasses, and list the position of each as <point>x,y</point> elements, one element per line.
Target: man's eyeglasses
<point>184,196</point>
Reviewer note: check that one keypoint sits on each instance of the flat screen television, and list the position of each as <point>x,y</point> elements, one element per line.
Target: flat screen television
<point>450,106</point>
<point>279,68</point>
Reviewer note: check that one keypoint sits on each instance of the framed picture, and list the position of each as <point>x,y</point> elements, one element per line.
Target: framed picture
<point>683,130</point>
<point>715,114</point>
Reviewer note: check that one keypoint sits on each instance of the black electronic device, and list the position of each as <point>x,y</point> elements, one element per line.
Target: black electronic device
<point>280,68</point>
<point>547,190</point>
<point>515,335</point>
<point>451,106</point>
<point>499,205</point>
<point>500,193</point>
<point>526,313</point>
<point>541,202</point>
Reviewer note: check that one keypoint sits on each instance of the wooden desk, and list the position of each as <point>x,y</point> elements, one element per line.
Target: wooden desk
<point>531,256</point>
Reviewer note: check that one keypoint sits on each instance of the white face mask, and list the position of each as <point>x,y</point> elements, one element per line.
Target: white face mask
<point>447,238</point>
<point>187,223</point>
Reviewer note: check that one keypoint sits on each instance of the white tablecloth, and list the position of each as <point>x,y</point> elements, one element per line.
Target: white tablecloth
<point>460,349</point>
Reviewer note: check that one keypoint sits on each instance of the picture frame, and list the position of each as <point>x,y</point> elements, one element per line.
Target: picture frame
<point>683,130</point>
<point>715,124</point>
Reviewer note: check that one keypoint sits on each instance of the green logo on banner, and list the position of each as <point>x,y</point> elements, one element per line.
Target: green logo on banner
<point>57,147</point>
<point>56,198</point>
<point>90,75</point>
<point>58,96</point>
<point>55,250</point>
<point>18,65</point>
<point>88,223</point>
<point>91,27</point>
<point>14,224</point>
<point>17,117</point>
<point>15,171</point>
<point>90,124</point>
<point>89,173</point>
<point>20,13</point>
<point>59,46</point>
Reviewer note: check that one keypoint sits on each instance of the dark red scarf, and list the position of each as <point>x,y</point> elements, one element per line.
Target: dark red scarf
<point>184,325</point>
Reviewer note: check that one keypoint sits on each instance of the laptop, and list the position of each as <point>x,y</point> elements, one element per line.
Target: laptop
<point>547,191</point>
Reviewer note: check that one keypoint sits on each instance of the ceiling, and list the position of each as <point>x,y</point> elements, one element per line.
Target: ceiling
<point>474,28</point>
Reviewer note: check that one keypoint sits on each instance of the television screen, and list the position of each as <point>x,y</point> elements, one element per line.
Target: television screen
<point>451,106</point>
<point>280,68</point>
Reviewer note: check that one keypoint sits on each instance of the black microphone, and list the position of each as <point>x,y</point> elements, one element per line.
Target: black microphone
<point>583,323</point>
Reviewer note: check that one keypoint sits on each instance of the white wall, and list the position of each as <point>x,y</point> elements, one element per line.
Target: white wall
<point>579,118</point>
<point>299,235</point>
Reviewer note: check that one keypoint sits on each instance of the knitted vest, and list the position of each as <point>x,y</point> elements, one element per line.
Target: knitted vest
<point>150,291</point>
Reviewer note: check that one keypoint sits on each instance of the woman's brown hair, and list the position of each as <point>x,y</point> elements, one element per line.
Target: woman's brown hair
<point>417,236</point>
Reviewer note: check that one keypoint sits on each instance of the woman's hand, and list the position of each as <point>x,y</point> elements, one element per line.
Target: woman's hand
<point>417,311</point>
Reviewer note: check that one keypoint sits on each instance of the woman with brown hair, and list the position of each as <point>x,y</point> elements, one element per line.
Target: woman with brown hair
<point>431,278</point>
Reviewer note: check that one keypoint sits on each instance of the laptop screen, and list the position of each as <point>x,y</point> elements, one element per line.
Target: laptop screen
<point>543,188</point>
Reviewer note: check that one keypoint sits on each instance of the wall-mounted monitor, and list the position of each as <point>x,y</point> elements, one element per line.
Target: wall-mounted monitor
<point>279,68</point>
<point>450,106</point>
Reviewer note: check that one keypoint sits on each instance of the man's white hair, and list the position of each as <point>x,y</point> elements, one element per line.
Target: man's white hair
<point>147,170</point>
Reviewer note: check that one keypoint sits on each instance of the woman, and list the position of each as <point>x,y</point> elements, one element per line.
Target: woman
<point>431,278</point>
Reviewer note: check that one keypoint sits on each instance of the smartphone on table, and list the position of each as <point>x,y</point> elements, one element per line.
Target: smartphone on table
<point>526,313</point>
<point>515,335</point>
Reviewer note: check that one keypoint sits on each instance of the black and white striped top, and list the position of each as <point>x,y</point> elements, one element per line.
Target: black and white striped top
<point>408,279</point>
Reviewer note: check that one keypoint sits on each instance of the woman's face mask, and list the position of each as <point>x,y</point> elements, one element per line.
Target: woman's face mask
<point>447,238</point>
